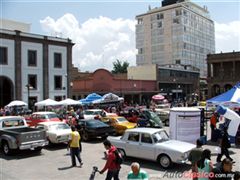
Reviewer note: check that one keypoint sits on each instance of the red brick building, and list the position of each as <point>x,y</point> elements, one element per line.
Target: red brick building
<point>102,81</point>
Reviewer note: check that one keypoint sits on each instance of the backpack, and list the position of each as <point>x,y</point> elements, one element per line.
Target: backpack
<point>119,158</point>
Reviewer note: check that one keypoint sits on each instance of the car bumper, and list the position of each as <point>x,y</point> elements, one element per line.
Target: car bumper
<point>97,133</point>
<point>33,145</point>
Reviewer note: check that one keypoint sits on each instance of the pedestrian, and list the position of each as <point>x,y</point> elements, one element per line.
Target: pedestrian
<point>75,147</point>
<point>137,173</point>
<point>224,171</point>
<point>224,145</point>
<point>195,156</point>
<point>111,165</point>
<point>204,165</point>
<point>213,125</point>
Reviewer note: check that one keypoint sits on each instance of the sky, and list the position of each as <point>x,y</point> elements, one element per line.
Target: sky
<point>104,31</point>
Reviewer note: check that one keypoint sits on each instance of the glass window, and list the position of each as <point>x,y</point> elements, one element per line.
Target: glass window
<point>146,138</point>
<point>32,80</point>
<point>133,137</point>
<point>3,56</point>
<point>57,60</point>
<point>58,82</point>
<point>32,58</point>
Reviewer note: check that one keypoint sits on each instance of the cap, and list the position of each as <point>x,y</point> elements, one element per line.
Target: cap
<point>228,161</point>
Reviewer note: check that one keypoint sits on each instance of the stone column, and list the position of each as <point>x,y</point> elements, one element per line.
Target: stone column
<point>45,69</point>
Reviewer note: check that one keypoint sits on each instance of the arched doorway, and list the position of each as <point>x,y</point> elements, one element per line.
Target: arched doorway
<point>227,87</point>
<point>6,91</point>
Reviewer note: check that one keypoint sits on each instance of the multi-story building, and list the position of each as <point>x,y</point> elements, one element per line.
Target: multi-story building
<point>179,32</point>
<point>33,67</point>
<point>223,72</point>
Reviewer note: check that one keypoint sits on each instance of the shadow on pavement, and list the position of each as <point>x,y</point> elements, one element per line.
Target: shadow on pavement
<point>65,168</point>
<point>53,147</point>
<point>23,154</point>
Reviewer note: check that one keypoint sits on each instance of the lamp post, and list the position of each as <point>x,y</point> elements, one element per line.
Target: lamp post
<point>28,86</point>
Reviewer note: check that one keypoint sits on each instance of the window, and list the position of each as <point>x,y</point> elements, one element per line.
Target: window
<point>146,138</point>
<point>58,82</point>
<point>58,98</point>
<point>57,60</point>
<point>176,21</point>
<point>140,21</point>
<point>133,137</point>
<point>178,12</point>
<point>140,51</point>
<point>32,80</point>
<point>3,56</point>
<point>159,24</point>
<point>160,16</point>
<point>32,58</point>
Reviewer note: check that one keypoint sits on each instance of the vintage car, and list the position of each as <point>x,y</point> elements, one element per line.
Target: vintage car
<point>57,132</point>
<point>163,111</point>
<point>38,117</point>
<point>95,113</point>
<point>148,118</point>
<point>152,144</point>
<point>92,128</point>
<point>119,123</point>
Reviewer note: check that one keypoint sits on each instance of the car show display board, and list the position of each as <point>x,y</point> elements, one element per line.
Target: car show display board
<point>185,124</point>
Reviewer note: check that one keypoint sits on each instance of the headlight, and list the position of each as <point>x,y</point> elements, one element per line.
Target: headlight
<point>184,155</point>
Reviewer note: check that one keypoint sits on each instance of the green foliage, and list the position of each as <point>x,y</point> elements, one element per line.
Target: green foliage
<point>120,67</point>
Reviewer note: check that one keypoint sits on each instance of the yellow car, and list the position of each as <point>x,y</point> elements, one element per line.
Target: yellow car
<point>119,123</point>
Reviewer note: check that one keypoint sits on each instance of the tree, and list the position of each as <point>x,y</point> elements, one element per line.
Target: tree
<point>120,67</point>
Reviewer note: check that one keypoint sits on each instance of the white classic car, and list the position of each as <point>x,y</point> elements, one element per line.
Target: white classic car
<point>95,113</point>
<point>57,132</point>
<point>152,144</point>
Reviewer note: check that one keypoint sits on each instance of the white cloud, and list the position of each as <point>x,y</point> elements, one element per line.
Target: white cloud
<point>98,41</point>
<point>227,36</point>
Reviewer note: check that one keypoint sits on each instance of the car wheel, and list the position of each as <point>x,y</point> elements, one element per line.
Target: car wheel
<point>165,161</point>
<point>38,149</point>
<point>122,152</point>
<point>85,136</point>
<point>6,149</point>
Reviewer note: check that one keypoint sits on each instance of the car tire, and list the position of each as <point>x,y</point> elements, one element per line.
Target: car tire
<point>38,149</point>
<point>122,152</point>
<point>5,148</point>
<point>165,161</point>
<point>85,136</point>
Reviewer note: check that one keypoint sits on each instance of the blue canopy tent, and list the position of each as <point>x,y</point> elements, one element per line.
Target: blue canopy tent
<point>229,98</point>
<point>90,98</point>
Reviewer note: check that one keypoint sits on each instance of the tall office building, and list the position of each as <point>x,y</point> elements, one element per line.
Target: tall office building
<point>179,32</point>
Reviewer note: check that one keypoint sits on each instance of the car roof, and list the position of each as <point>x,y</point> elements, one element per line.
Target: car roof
<point>51,122</point>
<point>11,117</point>
<point>44,112</point>
<point>145,130</point>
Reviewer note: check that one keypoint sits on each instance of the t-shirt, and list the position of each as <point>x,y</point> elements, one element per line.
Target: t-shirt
<point>75,137</point>
<point>142,175</point>
<point>195,155</point>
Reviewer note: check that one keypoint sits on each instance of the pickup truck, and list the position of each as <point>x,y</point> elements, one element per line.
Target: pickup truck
<point>16,135</point>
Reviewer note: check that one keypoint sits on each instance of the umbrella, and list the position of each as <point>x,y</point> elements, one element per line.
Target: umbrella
<point>93,97</point>
<point>47,102</point>
<point>108,98</point>
<point>16,103</point>
<point>68,102</point>
<point>158,97</point>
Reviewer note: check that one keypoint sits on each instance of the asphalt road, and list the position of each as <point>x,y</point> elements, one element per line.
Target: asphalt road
<point>54,163</point>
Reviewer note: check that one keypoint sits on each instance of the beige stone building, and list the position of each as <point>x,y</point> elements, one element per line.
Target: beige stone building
<point>176,33</point>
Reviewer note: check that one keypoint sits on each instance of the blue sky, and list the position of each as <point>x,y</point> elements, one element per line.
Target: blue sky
<point>104,30</point>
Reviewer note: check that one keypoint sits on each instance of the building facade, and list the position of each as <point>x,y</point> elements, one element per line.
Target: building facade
<point>176,33</point>
<point>223,72</point>
<point>33,67</point>
<point>102,82</point>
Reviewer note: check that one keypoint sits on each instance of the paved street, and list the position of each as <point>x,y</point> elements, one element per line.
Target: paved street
<point>53,163</point>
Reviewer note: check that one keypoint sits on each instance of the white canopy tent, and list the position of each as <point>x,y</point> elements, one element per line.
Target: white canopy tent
<point>47,102</point>
<point>69,102</point>
<point>16,103</point>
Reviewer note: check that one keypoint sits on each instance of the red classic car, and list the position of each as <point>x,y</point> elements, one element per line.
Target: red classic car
<point>38,117</point>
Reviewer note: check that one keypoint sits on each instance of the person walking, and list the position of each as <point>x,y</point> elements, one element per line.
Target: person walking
<point>111,165</point>
<point>195,156</point>
<point>204,165</point>
<point>75,147</point>
<point>137,173</point>
<point>224,145</point>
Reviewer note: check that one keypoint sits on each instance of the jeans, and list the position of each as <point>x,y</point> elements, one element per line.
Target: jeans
<point>224,151</point>
<point>75,152</point>
<point>112,174</point>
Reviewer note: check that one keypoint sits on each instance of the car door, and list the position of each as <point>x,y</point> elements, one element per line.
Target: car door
<point>132,144</point>
<point>146,146</point>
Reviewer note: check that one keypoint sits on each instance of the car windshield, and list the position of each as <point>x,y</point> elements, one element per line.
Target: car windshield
<point>49,116</point>
<point>95,123</point>
<point>121,119</point>
<point>160,136</point>
<point>92,112</point>
<point>154,119</point>
<point>59,126</point>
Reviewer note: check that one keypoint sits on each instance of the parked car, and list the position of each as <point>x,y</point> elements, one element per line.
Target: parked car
<point>16,135</point>
<point>163,111</point>
<point>38,117</point>
<point>148,118</point>
<point>119,123</point>
<point>94,128</point>
<point>95,113</point>
<point>152,144</point>
<point>57,132</point>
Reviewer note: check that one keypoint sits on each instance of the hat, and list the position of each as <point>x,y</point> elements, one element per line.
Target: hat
<point>228,161</point>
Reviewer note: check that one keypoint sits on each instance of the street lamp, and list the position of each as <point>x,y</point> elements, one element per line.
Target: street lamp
<point>28,86</point>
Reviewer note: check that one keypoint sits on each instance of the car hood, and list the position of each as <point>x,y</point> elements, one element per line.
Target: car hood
<point>175,145</point>
<point>127,124</point>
